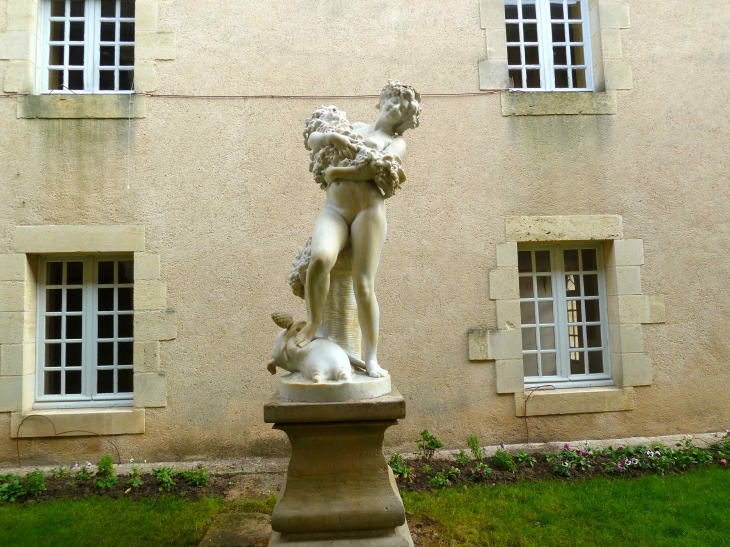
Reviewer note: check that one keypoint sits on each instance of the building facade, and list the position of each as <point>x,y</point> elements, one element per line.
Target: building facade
<point>558,254</point>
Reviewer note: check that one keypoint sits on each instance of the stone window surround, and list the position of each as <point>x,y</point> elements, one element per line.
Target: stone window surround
<point>628,310</point>
<point>610,71</point>
<point>19,68</point>
<point>153,323</point>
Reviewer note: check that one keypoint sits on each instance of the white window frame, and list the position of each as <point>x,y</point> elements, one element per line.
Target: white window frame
<point>564,379</point>
<point>89,396</point>
<point>92,45</point>
<point>545,47</point>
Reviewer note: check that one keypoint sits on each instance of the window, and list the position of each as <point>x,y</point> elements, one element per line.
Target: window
<point>564,315</point>
<point>548,45</point>
<point>88,46</point>
<point>85,333</point>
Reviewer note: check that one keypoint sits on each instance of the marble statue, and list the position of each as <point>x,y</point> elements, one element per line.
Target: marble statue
<point>358,166</point>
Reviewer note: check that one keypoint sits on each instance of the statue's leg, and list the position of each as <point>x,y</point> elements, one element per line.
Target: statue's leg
<point>329,238</point>
<point>368,232</point>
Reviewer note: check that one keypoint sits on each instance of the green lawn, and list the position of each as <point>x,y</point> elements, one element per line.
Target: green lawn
<point>691,510</point>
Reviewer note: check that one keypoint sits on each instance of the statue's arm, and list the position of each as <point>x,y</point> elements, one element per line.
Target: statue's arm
<point>397,147</point>
<point>318,140</point>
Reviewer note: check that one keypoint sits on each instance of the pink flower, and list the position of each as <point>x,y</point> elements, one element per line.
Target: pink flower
<point>723,462</point>
<point>501,445</point>
<point>566,446</point>
<point>618,467</point>
<point>620,448</point>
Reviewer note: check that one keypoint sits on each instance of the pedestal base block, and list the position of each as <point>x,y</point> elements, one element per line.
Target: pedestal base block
<point>339,490</point>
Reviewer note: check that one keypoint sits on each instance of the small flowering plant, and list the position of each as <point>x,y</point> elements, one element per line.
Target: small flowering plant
<point>480,472</point>
<point>573,458</point>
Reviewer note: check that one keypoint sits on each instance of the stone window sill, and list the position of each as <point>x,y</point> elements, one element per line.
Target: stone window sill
<point>548,103</point>
<point>77,422</point>
<point>86,106</point>
<point>574,401</point>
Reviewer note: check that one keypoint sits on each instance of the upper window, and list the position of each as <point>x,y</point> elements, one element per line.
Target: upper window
<point>88,46</point>
<point>564,315</point>
<point>548,45</point>
<point>85,332</point>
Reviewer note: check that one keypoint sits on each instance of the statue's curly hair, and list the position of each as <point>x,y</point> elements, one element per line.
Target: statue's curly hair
<point>412,99</point>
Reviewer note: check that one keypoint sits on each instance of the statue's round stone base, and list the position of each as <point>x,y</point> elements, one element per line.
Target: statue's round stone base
<point>296,387</point>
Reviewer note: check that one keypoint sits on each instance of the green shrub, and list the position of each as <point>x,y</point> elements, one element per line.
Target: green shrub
<point>399,467</point>
<point>165,478</point>
<point>523,458</point>
<point>197,478</point>
<point>472,441</point>
<point>462,458</point>
<point>35,482</point>
<point>11,489</point>
<point>481,472</point>
<point>503,460</point>
<point>105,473</point>
<point>427,444</point>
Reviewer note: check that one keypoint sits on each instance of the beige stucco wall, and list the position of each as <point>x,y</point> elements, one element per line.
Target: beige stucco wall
<point>222,188</point>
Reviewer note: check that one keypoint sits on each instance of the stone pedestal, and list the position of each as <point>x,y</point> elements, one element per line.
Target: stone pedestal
<point>339,490</point>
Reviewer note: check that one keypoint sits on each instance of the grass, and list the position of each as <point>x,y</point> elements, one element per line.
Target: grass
<point>691,510</point>
<point>94,522</point>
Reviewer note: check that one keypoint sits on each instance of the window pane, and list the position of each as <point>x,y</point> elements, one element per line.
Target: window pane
<point>126,80</point>
<point>528,10</point>
<point>544,286</point>
<point>127,8</point>
<point>556,10</point>
<point>73,382</point>
<point>574,9</point>
<point>561,78</point>
<point>577,362</point>
<point>529,340</point>
<point>54,299</point>
<point>106,273</point>
<point>108,32</point>
<point>108,8</point>
<point>125,326</point>
<point>579,78</point>
<point>74,273</point>
<point>55,55</point>
<point>76,55</point>
<point>529,363</point>
<point>125,299</point>
<point>576,56</point>
<point>593,310</point>
<point>106,55</point>
<point>74,300</point>
<point>574,313</point>
<point>73,355</point>
<point>532,55</point>
<point>105,381</point>
<point>527,313</point>
<point>575,336</point>
<point>106,299</point>
<point>106,326</point>
<point>52,383</point>
<point>53,355</point>
<point>590,284</point>
<point>593,335</point>
<point>510,12</point>
<point>73,327</point>
<point>126,380</point>
<point>58,8</point>
<point>549,366</point>
<point>576,32</point>
<point>54,273</point>
<point>514,57</point>
<point>76,33</point>
<point>55,79</point>
<point>126,56</point>
<point>513,32</point>
<point>77,8</point>
<point>53,328</point>
<point>542,261</point>
<point>595,362</point>
<point>571,260</point>
<point>105,354</point>
<point>58,31</point>
<point>547,338</point>
<point>572,285</point>
<point>125,353</point>
<point>560,57</point>
<point>530,32</point>
<point>126,32</point>
<point>545,311</point>
<point>106,80</point>
<point>76,80</point>
<point>526,287</point>
<point>589,260</point>
<point>533,79</point>
<point>524,261</point>
<point>558,32</point>
<point>515,79</point>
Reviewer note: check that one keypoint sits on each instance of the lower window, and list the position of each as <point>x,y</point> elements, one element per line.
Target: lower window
<point>564,315</point>
<point>85,337</point>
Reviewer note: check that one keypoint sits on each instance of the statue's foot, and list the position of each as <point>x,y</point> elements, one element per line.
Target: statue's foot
<point>375,370</point>
<point>306,335</point>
